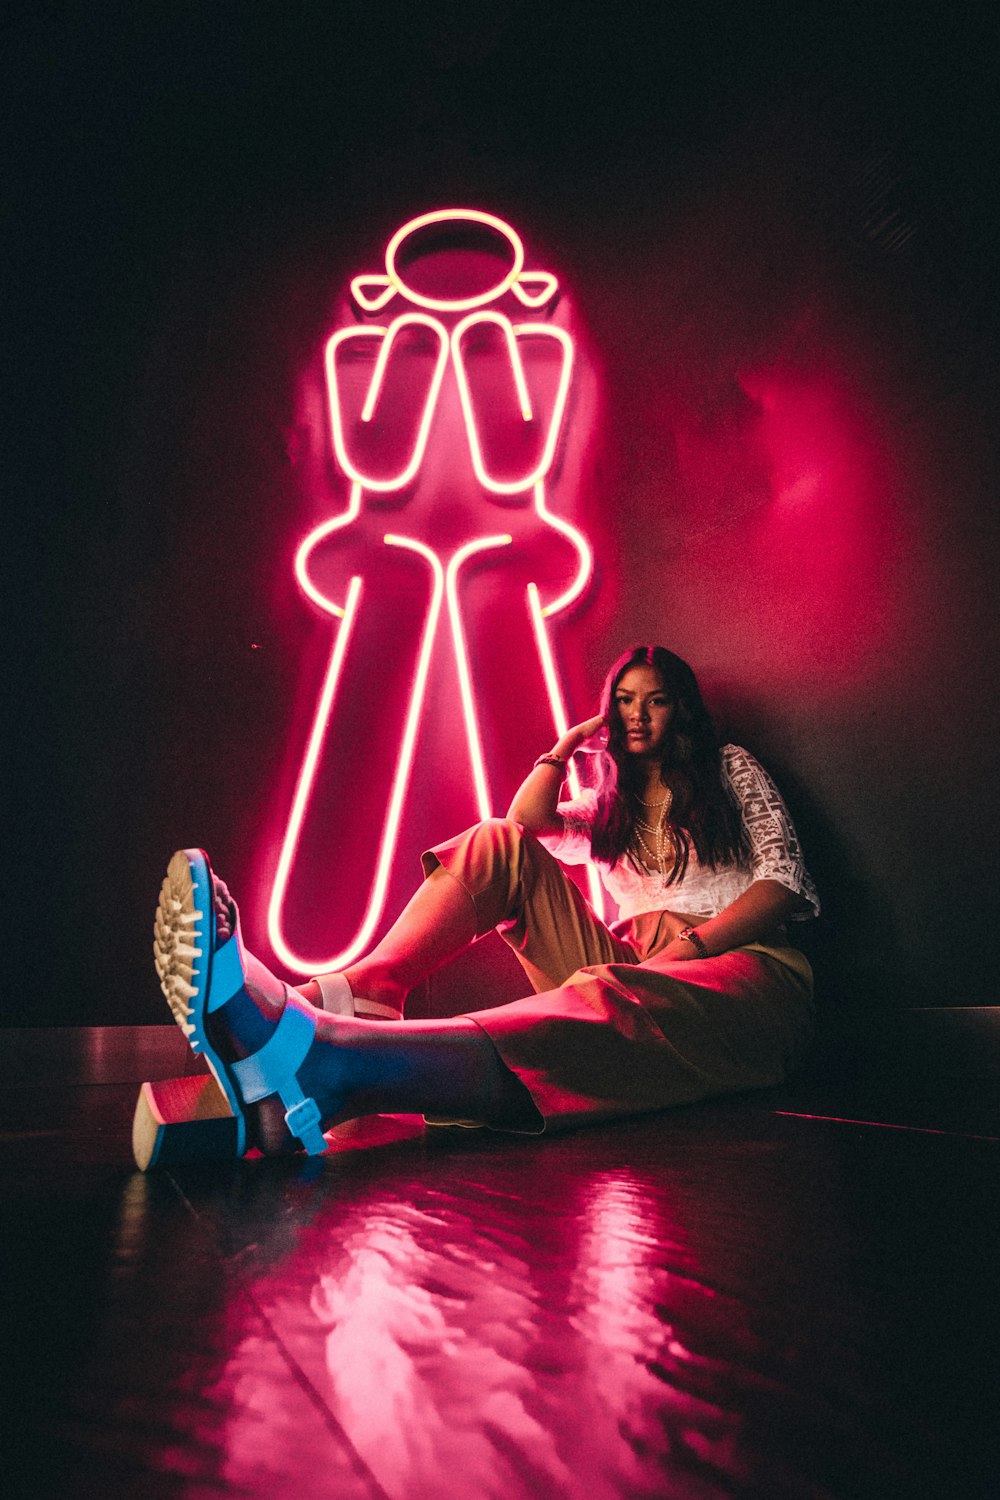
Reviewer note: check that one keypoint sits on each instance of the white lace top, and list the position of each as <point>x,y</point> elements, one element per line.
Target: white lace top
<point>774,852</point>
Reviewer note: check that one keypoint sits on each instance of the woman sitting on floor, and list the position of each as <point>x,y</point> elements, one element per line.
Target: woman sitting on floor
<point>694,992</point>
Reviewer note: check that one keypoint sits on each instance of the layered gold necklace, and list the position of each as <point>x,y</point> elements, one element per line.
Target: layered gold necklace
<point>659,854</point>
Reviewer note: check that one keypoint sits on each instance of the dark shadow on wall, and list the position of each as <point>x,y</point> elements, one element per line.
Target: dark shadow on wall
<point>858,957</point>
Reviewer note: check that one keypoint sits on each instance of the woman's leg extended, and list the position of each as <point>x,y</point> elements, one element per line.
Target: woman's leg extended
<point>437,923</point>
<point>351,1066</point>
<point>518,888</point>
<point>493,875</point>
<point>357,1067</point>
<point>447,1067</point>
<point>616,1039</point>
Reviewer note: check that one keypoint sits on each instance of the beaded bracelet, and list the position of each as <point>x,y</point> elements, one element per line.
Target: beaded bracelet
<point>549,760</point>
<point>690,935</point>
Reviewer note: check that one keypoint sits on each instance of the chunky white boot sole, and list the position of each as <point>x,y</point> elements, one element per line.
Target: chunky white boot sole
<point>198,975</point>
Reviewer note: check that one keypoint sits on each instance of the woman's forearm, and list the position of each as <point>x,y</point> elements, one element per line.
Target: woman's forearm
<point>536,799</point>
<point>751,918</point>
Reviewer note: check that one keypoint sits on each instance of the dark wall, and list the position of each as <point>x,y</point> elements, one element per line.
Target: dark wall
<point>779,236</point>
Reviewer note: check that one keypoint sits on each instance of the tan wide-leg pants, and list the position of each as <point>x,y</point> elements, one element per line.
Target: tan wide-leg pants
<point>612,1030</point>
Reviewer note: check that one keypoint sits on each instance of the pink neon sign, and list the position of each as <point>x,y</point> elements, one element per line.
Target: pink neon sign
<point>363,371</point>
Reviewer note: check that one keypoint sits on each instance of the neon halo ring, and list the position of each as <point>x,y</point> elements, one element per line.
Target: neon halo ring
<point>458,215</point>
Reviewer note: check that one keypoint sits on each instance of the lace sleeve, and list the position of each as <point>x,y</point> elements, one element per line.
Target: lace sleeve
<point>775,852</point>
<point>572,846</point>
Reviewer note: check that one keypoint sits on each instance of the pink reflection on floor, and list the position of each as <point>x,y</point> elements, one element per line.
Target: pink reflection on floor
<point>467,1342</point>
<point>426,1354</point>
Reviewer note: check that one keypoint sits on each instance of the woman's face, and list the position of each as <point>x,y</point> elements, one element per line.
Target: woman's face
<point>645,711</point>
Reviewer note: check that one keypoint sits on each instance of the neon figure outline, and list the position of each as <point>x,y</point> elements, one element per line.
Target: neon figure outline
<point>534,289</point>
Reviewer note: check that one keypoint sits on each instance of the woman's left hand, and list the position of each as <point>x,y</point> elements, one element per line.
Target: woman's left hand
<point>751,918</point>
<point>678,950</point>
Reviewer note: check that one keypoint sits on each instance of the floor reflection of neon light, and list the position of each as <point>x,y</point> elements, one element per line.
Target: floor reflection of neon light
<point>351,387</point>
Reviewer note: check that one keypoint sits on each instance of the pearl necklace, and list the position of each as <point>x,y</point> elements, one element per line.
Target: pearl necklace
<point>663,800</point>
<point>663,839</point>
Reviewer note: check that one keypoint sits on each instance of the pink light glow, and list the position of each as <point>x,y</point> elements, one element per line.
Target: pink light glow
<point>835,508</point>
<point>482,544</point>
<point>298,962</point>
<point>532,288</point>
<point>388,336</point>
<point>561,722</point>
<point>307,547</point>
<point>462,216</point>
<point>512,333</point>
<point>305,782</point>
<point>364,365</point>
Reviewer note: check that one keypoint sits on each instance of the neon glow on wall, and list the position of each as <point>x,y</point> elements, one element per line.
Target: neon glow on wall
<point>364,360</point>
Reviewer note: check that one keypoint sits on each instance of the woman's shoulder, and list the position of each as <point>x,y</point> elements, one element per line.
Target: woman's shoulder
<point>582,806</point>
<point>741,769</point>
<point>734,757</point>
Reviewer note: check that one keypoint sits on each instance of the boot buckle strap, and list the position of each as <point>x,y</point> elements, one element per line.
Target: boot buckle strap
<point>305,1121</point>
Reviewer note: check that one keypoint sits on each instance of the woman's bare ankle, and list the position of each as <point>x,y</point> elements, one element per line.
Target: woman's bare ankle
<point>368,982</point>
<point>363,987</point>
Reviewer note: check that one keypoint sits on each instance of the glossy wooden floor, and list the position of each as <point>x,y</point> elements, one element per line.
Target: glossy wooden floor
<point>751,1298</point>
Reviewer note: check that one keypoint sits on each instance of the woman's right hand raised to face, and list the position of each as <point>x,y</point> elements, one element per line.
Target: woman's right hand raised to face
<point>586,736</point>
<point>535,801</point>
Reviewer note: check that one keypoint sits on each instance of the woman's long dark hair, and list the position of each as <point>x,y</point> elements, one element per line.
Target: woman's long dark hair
<point>703,814</point>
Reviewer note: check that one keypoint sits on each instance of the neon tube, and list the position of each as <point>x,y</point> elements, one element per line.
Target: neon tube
<point>317,535</point>
<point>376,900</point>
<point>304,785</point>
<point>554,691</point>
<point>585,553</point>
<point>513,353</point>
<point>482,544</point>
<point>460,216</point>
<point>547,288</point>
<point>389,336</point>
<point>544,283</point>
<point>375,303</point>
<point>514,486</point>
<point>533,289</point>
